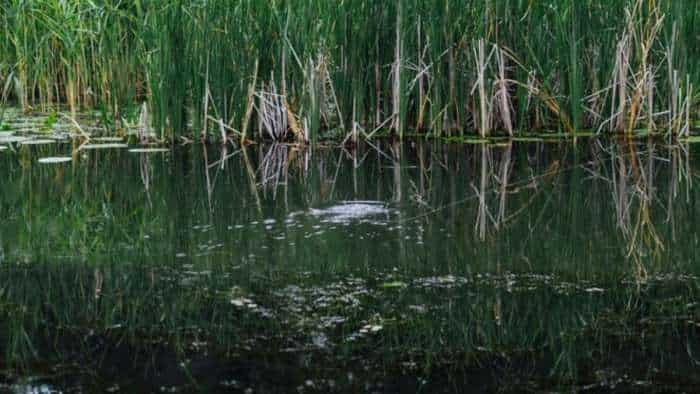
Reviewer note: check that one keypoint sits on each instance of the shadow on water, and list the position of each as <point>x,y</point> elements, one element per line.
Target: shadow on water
<point>390,268</point>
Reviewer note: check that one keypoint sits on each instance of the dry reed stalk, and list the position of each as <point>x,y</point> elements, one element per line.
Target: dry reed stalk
<point>144,124</point>
<point>421,87</point>
<point>646,37</point>
<point>272,113</point>
<point>355,122</point>
<point>205,104</point>
<point>396,73</point>
<point>621,71</point>
<point>300,134</point>
<point>502,96</point>
<point>377,95</point>
<point>250,104</point>
<point>481,61</point>
<point>651,89</point>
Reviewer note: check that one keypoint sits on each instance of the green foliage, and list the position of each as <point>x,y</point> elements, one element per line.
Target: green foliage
<point>402,64</point>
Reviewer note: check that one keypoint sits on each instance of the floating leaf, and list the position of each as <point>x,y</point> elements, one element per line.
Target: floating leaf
<point>394,285</point>
<point>242,302</point>
<point>37,142</point>
<point>12,139</point>
<point>693,139</point>
<point>59,137</point>
<point>104,146</point>
<point>149,150</point>
<point>108,139</point>
<point>501,144</point>
<point>527,139</point>
<point>54,160</point>
<point>475,141</point>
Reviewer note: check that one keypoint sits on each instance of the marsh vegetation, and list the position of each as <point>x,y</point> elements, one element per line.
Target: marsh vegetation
<point>529,224</point>
<point>314,69</point>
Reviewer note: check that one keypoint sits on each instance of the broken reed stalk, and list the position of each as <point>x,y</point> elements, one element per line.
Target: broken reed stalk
<point>480,60</point>
<point>250,104</point>
<point>502,96</point>
<point>397,125</point>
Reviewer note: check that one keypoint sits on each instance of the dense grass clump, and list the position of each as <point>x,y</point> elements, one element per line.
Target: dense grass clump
<point>301,68</point>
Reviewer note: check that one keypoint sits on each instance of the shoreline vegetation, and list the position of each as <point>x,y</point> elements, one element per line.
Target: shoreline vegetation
<point>305,70</point>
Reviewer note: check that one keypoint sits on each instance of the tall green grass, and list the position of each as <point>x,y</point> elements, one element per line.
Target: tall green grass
<point>440,67</point>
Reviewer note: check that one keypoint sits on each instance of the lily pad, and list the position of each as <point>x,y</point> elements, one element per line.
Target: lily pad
<point>527,139</point>
<point>108,139</point>
<point>59,137</point>
<point>693,139</point>
<point>54,160</point>
<point>475,141</point>
<point>104,146</point>
<point>37,142</point>
<point>149,150</point>
<point>12,139</point>
<point>397,284</point>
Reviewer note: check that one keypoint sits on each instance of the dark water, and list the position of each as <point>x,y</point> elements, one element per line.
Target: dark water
<point>538,266</point>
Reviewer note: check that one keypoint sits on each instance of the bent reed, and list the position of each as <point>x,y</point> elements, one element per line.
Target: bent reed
<point>309,69</point>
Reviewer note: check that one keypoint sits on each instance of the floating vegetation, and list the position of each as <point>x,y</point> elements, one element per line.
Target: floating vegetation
<point>394,285</point>
<point>37,142</point>
<point>447,281</point>
<point>13,139</point>
<point>693,139</point>
<point>103,146</point>
<point>54,160</point>
<point>59,136</point>
<point>107,139</point>
<point>149,150</point>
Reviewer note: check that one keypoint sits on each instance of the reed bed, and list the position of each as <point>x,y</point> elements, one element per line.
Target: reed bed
<point>308,69</point>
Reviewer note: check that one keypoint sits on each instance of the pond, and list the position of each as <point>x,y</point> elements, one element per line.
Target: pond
<point>421,266</point>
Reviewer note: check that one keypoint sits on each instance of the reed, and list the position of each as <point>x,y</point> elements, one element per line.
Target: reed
<point>452,67</point>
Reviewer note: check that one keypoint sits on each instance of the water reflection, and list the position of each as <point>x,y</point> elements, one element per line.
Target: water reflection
<point>278,256</point>
<point>502,190</point>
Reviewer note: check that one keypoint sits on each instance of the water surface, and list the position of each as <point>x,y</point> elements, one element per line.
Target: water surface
<point>390,268</point>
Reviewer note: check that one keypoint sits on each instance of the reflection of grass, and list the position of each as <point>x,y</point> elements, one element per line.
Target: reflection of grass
<point>530,327</point>
<point>86,255</point>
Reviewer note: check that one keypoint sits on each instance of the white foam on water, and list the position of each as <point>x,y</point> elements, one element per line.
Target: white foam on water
<point>346,212</point>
